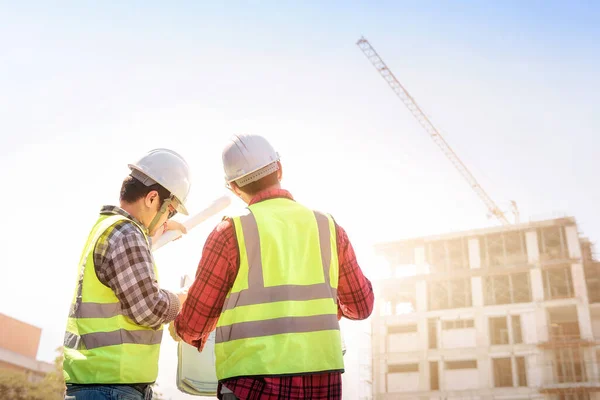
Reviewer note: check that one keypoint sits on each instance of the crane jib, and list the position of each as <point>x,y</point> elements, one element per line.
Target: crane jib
<point>418,113</point>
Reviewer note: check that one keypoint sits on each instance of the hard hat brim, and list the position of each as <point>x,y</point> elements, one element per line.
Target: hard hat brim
<point>278,159</point>
<point>181,209</point>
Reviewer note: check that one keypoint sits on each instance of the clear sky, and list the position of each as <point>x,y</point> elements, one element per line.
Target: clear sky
<point>87,87</point>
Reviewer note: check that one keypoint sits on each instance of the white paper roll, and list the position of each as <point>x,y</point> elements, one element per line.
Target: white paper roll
<point>215,207</point>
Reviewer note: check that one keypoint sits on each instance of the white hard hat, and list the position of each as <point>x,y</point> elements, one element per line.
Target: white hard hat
<point>169,170</point>
<point>247,158</point>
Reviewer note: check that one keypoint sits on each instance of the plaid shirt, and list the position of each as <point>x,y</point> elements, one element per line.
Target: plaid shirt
<point>124,263</point>
<point>215,277</point>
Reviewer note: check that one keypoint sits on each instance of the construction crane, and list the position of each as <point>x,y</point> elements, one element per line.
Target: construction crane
<point>418,113</point>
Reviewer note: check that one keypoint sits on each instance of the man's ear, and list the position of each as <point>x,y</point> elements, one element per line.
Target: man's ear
<point>235,189</point>
<point>151,198</point>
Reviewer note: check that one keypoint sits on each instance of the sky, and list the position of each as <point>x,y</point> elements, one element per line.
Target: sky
<point>88,87</point>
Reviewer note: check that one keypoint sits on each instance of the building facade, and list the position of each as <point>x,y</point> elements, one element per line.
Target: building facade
<point>19,344</point>
<point>510,312</point>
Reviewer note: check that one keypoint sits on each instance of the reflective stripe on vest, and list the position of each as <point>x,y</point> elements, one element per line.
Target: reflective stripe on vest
<point>261,312</point>
<point>101,344</point>
<point>101,339</point>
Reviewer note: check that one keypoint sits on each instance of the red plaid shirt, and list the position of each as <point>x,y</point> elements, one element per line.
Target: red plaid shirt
<point>215,277</point>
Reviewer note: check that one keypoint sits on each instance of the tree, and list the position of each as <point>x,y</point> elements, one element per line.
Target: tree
<point>54,382</point>
<point>15,385</point>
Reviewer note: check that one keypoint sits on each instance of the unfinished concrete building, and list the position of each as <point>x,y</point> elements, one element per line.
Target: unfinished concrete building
<point>511,312</point>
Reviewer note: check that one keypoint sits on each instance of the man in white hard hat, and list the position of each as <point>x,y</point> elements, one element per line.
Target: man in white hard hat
<point>274,283</point>
<point>114,330</point>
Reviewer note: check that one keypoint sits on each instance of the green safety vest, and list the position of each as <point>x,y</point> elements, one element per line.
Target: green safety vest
<point>280,317</point>
<point>103,346</point>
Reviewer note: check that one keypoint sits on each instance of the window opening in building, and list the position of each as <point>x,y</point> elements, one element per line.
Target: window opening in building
<point>444,256</point>
<point>434,376</point>
<point>386,309</point>
<point>515,248</point>
<point>394,329</point>
<point>507,289</point>
<point>458,324</point>
<point>405,299</point>
<point>403,261</point>
<point>499,331</point>
<point>521,371</point>
<point>432,332</point>
<point>573,396</point>
<point>520,288</point>
<point>463,364</point>
<point>552,243</point>
<point>503,249</point>
<point>449,294</point>
<point>569,365</point>
<point>502,372</point>
<point>403,368</point>
<point>563,323</point>
<point>437,257</point>
<point>458,254</point>
<point>516,329</point>
<point>558,283</point>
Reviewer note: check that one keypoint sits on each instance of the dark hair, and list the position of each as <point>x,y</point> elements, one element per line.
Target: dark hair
<point>132,190</point>
<point>263,183</point>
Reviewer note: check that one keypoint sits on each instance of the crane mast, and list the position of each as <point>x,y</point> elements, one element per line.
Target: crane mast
<point>418,113</point>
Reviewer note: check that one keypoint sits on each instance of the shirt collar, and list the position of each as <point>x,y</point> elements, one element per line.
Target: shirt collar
<point>114,210</point>
<point>271,194</point>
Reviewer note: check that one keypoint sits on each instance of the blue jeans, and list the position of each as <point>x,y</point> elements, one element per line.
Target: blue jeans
<point>103,392</point>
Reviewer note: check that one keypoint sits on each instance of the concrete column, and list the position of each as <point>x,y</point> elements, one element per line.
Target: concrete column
<point>573,241</point>
<point>420,260</point>
<point>585,323</point>
<point>533,252</point>
<point>579,284</point>
<point>482,339</point>
<point>424,375</point>
<point>438,327</point>
<point>511,338</point>
<point>529,327</point>
<point>382,376</point>
<point>515,372</point>
<point>537,285</point>
<point>421,294</point>
<point>423,336</point>
<point>382,339</point>
<point>474,256</point>
<point>534,371</point>
<point>484,366</point>
<point>477,291</point>
<point>583,311</point>
<point>378,337</point>
<point>541,319</point>
<point>442,374</point>
<point>376,356</point>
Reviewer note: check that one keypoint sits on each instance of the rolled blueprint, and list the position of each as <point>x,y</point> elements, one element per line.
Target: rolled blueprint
<point>215,207</point>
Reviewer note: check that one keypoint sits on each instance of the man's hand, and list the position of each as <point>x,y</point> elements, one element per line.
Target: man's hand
<point>172,225</point>
<point>173,333</point>
<point>182,295</point>
<point>341,310</point>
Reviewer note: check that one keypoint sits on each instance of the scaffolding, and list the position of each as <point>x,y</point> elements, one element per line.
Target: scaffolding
<point>568,359</point>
